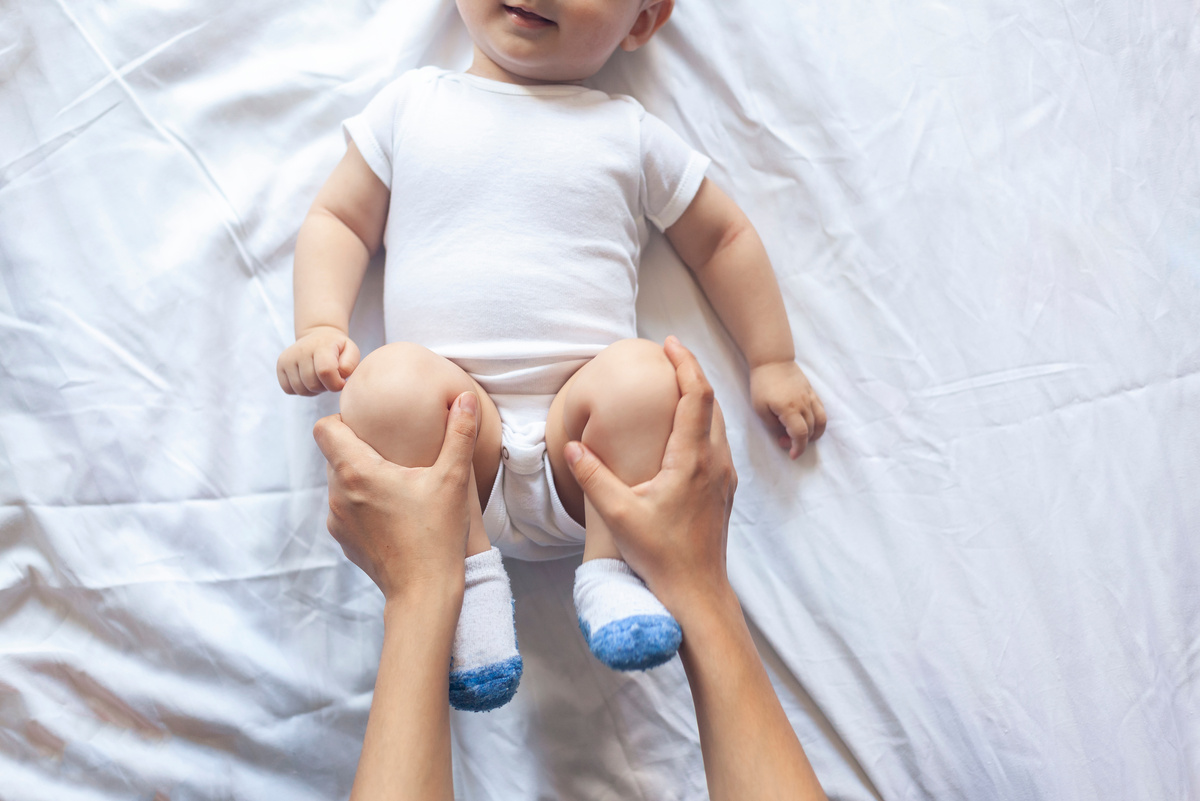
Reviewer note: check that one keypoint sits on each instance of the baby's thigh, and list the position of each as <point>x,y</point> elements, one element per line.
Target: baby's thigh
<point>398,401</point>
<point>621,405</point>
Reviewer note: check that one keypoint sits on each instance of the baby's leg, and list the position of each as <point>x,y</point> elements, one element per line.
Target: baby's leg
<point>621,405</point>
<point>398,401</point>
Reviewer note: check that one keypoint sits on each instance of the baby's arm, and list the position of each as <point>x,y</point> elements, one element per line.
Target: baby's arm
<point>342,231</point>
<point>720,246</point>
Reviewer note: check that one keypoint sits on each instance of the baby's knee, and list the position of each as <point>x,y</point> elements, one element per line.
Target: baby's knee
<point>631,386</point>
<point>398,399</point>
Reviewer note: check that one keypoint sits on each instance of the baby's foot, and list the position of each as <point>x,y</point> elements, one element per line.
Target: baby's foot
<point>485,667</point>
<point>624,624</point>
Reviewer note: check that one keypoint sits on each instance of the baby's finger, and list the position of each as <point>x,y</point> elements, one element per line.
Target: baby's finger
<point>282,377</point>
<point>293,376</point>
<point>308,377</point>
<point>325,362</point>
<point>819,419</point>
<point>773,424</point>
<point>797,429</point>
<point>349,358</point>
<point>809,420</point>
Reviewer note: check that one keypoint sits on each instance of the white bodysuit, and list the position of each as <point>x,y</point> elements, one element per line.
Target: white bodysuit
<point>516,220</point>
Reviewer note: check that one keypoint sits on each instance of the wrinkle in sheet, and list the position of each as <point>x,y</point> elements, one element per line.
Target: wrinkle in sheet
<point>1032,729</point>
<point>112,346</point>
<point>106,504</point>
<point>999,378</point>
<point>251,264</point>
<point>129,67</point>
<point>799,692</point>
<point>105,704</point>
<point>14,169</point>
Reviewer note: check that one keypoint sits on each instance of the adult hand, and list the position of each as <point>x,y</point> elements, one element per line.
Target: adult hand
<point>406,527</point>
<point>672,529</point>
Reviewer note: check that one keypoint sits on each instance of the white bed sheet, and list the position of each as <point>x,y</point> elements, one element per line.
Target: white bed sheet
<point>981,584</point>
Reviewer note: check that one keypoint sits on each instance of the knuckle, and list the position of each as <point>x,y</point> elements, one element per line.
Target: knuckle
<point>351,477</point>
<point>463,426</point>
<point>585,472</point>
<point>620,515</point>
<point>453,478</point>
<point>333,521</point>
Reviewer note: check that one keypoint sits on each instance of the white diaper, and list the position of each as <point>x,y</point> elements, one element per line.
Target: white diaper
<point>524,516</point>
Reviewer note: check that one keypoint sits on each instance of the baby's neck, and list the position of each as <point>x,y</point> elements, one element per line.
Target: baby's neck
<point>484,67</point>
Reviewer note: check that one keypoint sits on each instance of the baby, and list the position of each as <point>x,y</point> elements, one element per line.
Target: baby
<point>512,202</point>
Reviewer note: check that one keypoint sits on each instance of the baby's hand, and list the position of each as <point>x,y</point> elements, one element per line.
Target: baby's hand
<point>321,359</point>
<point>788,405</point>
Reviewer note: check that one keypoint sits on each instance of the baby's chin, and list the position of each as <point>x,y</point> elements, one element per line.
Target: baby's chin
<point>545,70</point>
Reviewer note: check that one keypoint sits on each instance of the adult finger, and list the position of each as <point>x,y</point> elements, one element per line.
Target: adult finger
<point>693,415</point>
<point>325,360</point>
<point>340,444</point>
<point>719,442</point>
<point>718,436</point>
<point>459,445</point>
<point>610,495</point>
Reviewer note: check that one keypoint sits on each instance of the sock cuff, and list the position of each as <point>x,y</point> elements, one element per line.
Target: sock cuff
<point>485,564</point>
<point>604,567</point>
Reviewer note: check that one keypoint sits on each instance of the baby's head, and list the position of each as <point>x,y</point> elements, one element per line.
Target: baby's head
<point>559,41</point>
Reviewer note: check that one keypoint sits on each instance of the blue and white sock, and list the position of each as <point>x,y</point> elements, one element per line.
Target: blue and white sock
<point>624,624</point>
<point>485,667</point>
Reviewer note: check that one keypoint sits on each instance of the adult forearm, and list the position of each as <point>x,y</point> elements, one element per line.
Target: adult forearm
<point>750,749</point>
<point>406,751</point>
<point>329,267</point>
<point>741,285</point>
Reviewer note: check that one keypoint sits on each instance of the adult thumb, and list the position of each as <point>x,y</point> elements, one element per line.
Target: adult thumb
<point>606,492</point>
<point>459,445</point>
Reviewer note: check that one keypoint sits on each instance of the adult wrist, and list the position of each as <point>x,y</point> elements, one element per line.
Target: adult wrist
<point>429,600</point>
<point>708,610</point>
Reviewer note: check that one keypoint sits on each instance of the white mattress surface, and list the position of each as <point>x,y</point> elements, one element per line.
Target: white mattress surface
<point>981,584</point>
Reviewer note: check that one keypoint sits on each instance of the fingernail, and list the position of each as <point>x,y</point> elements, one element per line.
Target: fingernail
<point>469,402</point>
<point>673,338</point>
<point>573,452</point>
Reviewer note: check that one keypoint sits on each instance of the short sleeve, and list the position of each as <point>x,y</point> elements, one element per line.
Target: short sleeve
<point>671,172</point>
<point>373,131</point>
